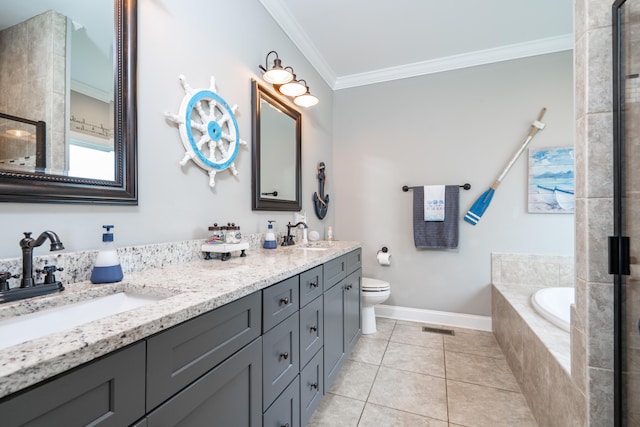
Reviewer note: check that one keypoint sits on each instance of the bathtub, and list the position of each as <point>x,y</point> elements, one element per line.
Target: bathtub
<point>554,304</point>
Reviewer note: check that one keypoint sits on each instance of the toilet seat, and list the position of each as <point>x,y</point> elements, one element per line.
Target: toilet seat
<point>374,285</point>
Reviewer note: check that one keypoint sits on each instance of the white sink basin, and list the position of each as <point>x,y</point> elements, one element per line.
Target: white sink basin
<point>18,329</point>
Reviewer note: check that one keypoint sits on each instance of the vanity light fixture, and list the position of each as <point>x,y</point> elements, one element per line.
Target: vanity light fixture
<point>276,74</point>
<point>293,88</point>
<point>306,99</point>
<point>284,81</point>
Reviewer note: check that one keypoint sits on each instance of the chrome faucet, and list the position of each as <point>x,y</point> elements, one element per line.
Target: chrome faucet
<point>27,244</point>
<point>288,239</point>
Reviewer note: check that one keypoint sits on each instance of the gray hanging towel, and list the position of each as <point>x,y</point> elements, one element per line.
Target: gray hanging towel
<point>436,234</point>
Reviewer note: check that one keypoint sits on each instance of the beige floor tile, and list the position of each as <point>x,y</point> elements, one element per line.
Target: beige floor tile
<point>384,329</point>
<point>472,405</point>
<point>369,351</point>
<point>481,370</point>
<point>335,410</point>
<point>413,334</point>
<point>377,416</point>
<point>410,392</point>
<point>480,344</point>
<point>354,380</point>
<point>406,357</point>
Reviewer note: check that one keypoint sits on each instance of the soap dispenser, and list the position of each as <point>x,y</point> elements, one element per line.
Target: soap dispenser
<point>107,268</point>
<point>270,237</point>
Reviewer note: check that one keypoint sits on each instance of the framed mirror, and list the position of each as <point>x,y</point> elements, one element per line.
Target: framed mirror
<point>276,152</point>
<point>77,79</point>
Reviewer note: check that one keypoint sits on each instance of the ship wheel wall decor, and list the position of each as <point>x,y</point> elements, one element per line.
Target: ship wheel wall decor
<point>208,129</point>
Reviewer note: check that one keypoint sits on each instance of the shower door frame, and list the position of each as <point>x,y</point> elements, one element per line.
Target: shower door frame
<point>619,244</point>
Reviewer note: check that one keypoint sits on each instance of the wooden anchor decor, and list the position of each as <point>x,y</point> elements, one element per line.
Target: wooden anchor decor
<point>320,201</point>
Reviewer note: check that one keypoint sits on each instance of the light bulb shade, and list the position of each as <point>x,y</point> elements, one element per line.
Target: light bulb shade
<point>277,74</point>
<point>306,100</point>
<point>293,88</point>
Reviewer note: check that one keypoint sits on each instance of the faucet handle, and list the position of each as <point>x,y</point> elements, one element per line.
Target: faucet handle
<point>4,280</point>
<point>50,271</point>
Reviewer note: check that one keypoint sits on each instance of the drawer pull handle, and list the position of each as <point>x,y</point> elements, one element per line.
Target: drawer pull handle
<point>284,355</point>
<point>284,300</point>
<point>285,425</point>
<point>314,284</point>
<point>314,386</point>
<point>348,287</point>
<point>313,329</point>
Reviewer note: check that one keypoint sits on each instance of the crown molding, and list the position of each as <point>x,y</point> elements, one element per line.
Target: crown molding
<point>299,37</point>
<point>455,62</point>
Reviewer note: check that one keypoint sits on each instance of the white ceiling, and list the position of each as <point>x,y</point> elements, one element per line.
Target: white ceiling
<point>357,42</point>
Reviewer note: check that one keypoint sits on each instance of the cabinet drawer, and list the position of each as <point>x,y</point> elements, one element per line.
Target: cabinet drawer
<point>354,261</point>
<point>280,358</point>
<point>311,388</point>
<point>107,392</point>
<point>279,302</point>
<point>285,411</point>
<point>228,395</point>
<point>334,271</point>
<point>311,330</point>
<point>179,355</point>
<point>310,285</point>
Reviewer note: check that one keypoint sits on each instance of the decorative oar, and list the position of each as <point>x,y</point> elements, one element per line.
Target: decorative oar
<point>482,203</point>
<point>320,201</point>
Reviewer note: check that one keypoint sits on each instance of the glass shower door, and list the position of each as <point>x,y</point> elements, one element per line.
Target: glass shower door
<point>624,245</point>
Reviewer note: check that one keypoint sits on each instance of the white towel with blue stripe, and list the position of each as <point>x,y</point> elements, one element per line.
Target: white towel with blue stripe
<point>434,201</point>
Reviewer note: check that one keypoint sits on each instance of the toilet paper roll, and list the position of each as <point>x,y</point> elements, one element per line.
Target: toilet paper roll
<point>384,258</point>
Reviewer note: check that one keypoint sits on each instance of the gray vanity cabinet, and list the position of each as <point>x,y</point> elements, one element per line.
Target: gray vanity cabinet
<point>279,301</point>
<point>281,361</point>
<point>311,330</point>
<point>178,356</point>
<point>228,395</point>
<point>311,387</point>
<point>106,392</point>
<point>334,271</point>
<point>285,411</point>
<point>311,284</point>
<point>342,323</point>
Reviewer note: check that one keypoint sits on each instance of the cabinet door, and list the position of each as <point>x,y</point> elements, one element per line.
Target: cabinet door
<point>310,285</point>
<point>311,330</point>
<point>334,271</point>
<point>229,395</point>
<point>311,388</point>
<point>279,302</point>
<point>179,355</point>
<point>352,320</point>
<point>107,392</point>
<point>333,333</point>
<point>280,363</point>
<point>285,411</point>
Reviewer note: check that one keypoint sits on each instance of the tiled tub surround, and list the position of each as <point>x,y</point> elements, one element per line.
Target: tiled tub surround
<point>538,352</point>
<point>191,285</point>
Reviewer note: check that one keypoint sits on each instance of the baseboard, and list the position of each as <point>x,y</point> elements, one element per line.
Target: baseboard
<point>469,321</point>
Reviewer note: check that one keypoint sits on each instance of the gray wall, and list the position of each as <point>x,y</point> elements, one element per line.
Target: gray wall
<point>449,128</point>
<point>227,39</point>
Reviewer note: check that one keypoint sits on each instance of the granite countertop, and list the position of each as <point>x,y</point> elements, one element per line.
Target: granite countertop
<point>187,290</point>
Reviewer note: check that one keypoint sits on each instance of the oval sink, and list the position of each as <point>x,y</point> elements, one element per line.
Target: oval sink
<point>19,329</point>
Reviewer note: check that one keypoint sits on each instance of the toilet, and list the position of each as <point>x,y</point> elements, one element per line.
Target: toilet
<point>373,292</point>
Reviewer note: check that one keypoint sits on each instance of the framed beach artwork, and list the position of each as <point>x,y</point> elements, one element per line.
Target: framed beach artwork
<point>551,180</point>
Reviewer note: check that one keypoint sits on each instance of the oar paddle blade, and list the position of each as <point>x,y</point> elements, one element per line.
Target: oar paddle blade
<point>478,208</point>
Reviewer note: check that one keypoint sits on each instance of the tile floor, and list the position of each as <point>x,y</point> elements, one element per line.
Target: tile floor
<point>402,376</point>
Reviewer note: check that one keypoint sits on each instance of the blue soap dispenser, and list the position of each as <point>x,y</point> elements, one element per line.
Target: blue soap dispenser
<point>107,268</point>
<point>270,237</point>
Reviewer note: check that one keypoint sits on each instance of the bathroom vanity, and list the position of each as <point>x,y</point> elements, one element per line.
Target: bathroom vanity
<point>254,341</point>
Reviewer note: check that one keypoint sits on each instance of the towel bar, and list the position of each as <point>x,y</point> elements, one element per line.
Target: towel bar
<point>466,186</point>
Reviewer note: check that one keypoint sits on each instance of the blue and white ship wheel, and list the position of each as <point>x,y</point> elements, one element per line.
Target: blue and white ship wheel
<point>208,130</point>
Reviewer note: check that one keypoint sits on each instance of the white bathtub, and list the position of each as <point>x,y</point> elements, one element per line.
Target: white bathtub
<point>554,304</point>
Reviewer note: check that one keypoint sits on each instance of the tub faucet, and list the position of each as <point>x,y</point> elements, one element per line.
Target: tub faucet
<point>288,239</point>
<point>27,244</point>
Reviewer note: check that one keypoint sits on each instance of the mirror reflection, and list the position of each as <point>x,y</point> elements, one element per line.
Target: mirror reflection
<point>276,152</point>
<point>57,68</point>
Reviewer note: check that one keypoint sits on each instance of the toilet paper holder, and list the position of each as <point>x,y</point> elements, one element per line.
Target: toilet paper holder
<point>383,250</point>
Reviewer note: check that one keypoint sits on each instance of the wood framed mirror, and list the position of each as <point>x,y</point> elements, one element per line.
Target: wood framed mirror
<point>99,114</point>
<point>276,152</point>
